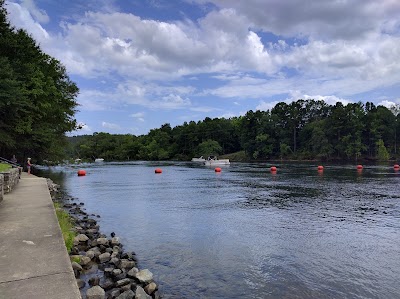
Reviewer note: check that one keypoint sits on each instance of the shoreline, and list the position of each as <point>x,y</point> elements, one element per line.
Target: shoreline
<point>101,266</point>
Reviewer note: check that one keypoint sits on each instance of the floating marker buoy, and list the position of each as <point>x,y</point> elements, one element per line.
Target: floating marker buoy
<point>158,170</point>
<point>273,168</point>
<point>320,167</point>
<point>81,172</point>
<point>396,166</point>
<point>218,169</point>
<point>359,167</point>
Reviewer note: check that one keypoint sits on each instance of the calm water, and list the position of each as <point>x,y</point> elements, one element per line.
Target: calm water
<point>245,233</point>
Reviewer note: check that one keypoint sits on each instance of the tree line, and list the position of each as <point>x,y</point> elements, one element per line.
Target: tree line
<point>37,98</point>
<point>303,129</point>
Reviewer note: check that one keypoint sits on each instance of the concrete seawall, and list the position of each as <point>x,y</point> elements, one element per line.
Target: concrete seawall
<point>8,180</point>
<point>34,262</point>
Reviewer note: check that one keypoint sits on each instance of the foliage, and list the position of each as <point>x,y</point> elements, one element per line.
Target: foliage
<point>382,154</point>
<point>303,130</point>
<point>66,225</point>
<point>4,167</point>
<point>37,98</point>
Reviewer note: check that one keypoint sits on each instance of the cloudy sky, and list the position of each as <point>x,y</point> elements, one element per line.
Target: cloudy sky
<point>142,63</point>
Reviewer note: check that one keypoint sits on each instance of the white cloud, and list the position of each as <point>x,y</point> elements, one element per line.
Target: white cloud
<point>110,126</point>
<point>21,17</point>
<point>389,104</point>
<point>333,50</point>
<point>139,116</point>
<point>39,14</point>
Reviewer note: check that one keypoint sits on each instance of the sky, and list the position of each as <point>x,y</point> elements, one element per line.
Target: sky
<point>142,63</point>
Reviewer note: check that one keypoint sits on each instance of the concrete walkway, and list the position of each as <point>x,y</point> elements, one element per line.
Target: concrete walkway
<point>34,262</point>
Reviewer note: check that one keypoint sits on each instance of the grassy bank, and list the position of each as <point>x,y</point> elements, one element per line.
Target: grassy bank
<point>66,225</point>
<point>4,167</point>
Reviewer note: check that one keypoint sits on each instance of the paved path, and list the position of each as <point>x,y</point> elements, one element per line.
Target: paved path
<point>34,262</point>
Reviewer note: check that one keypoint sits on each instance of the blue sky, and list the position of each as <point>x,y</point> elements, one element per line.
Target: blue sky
<point>142,63</point>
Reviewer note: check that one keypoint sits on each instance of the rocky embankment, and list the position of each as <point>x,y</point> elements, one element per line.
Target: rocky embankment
<point>102,268</point>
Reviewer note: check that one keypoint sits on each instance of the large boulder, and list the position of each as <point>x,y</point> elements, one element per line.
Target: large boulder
<point>141,294</point>
<point>104,257</point>
<point>95,292</point>
<point>81,238</point>
<point>144,276</point>
<point>126,295</point>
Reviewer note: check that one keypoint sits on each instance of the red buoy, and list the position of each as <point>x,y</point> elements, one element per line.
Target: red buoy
<point>158,170</point>
<point>359,166</point>
<point>396,166</point>
<point>273,168</point>
<point>218,169</point>
<point>320,167</point>
<point>81,172</point>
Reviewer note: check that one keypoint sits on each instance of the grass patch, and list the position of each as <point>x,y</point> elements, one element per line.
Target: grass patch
<point>66,225</point>
<point>4,167</point>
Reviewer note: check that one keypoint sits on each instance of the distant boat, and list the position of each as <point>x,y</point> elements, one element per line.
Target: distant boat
<point>213,160</point>
<point>201,159</point>
<point>99,160</point>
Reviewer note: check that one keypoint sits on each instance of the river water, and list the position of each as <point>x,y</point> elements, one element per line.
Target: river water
<point>247,233</point>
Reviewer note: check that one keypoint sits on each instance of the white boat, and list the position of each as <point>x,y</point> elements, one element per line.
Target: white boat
<point>99,160</point>
<point>213,161</point>
<point>201,159</point>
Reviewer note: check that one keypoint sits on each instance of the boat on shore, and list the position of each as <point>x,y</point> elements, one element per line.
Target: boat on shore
<point>213,161</point>
<point>200,159</point>
<point>99,160</point>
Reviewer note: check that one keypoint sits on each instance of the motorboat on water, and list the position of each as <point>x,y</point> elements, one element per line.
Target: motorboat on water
<point>200,159</point>
<point>213,161</point>
<point>99,160</point>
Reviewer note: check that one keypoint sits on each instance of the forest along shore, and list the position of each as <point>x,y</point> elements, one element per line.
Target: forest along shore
<point>101,267</point>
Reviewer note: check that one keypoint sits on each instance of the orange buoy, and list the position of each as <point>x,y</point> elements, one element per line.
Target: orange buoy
<point>218,169</point>
<point>396,166</point>
<point>359,166</point>
<point>273,168</point>
<point>158,170</point>
<point>320,167</point>
<point>81,172</point>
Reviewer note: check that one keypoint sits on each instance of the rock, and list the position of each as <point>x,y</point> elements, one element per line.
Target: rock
<point>107,284</point>
<point>122,282</point>
<point>104,257</point>
<point>95,292</point>
<point>126,264</point>
<point>94,281</point>
<point>108,270</point>
<point>80,283</point>
<point>144,276</point>
<point>115,241</point>
<point>81,238</point>
<point>96,251</point>
<point>114,293</point>
<point>76,266</point>
<point>141,294</point>
<point>90,254</point>
<point>102,241</point>
<point>115,261</point>
<point>116,272</point>
<point>126,287</point>
<point>85,260</point>
<point>132,272</point>
<point>150,288</point>
<point>127,295</point>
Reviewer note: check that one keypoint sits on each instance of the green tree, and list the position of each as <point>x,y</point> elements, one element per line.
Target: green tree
<point>208,148</point>
<point>382,153</point>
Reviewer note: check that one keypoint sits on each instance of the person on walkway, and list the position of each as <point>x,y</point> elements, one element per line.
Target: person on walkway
<point>14,159</point>
<point>28,165</point>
